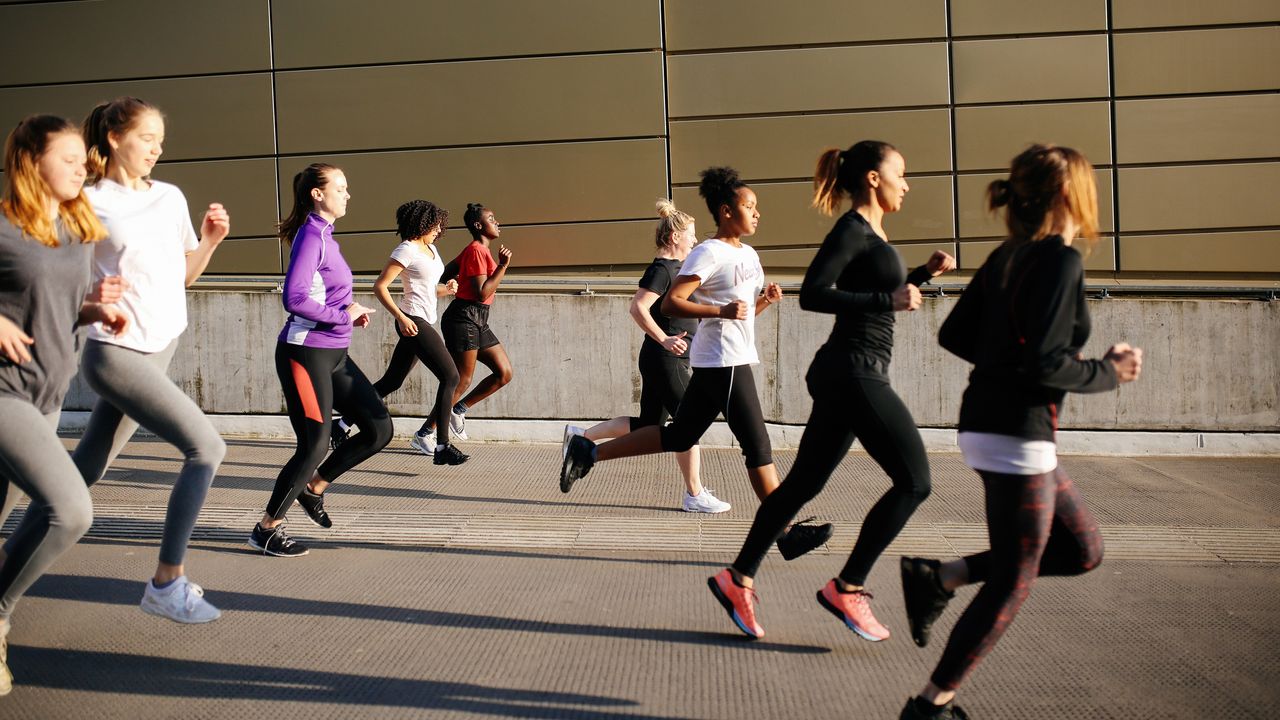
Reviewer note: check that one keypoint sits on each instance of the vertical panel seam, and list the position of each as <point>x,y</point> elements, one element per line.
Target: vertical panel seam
<point>1115,148</point>
<point>275,124</point>
<point>951,111</point>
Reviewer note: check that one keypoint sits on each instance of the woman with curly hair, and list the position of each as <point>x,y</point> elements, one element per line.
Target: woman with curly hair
<point>416,261</point>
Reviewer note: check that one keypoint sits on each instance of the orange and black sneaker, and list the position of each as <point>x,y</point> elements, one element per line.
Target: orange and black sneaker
<point>738,601</point>
<point>854,610</point>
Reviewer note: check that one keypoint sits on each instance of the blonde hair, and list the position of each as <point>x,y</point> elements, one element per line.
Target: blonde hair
<point>26,195</point>
<point>1034,195</point>
<point>671,220</point>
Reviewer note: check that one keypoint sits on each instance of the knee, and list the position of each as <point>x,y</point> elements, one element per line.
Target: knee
<point>758,457</point>
<point>209,450</point>
<point>449,378</point>
<point>1091,557</point>
<point>76,517</point>
<point>383,430</point>
<point>675,441</point>
<point>504,375</point>
<point>921,489</point>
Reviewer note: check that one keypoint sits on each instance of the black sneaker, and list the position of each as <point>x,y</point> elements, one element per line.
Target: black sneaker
<point>337,435</point>
<point>313,504</point>
<point>924,596</point>
<point>920,709</point>
<point>450,455</point>
<point>801,538</point>
<point>276,542</point>
<point>577,461</point>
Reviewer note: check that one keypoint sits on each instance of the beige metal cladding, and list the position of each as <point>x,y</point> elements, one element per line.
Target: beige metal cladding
<point>1185,129</point>
<point>1101,259</point>
<point>1130,14</point>
<point>1226,252</point>
<point>711,24</point>
<point>1198,61</point>
<point>988,137</point>
<point>1010,17</point>
<point>1241,195</point>
<point>976,222</point>
<point>1047,68</point>
<point>246,187</point>
<point>247,256</point>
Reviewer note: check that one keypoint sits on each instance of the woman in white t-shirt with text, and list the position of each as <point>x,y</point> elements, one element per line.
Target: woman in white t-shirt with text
<point>722,285</point>
<point>416,261</point>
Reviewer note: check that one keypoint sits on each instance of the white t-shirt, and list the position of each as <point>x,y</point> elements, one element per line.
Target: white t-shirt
<point>422,271</point>
<point>1007,454</point>
<point>149,234</point>
<point>727,273</point>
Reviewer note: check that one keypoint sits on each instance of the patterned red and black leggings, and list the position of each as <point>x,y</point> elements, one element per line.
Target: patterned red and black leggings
<point>1038,526</point>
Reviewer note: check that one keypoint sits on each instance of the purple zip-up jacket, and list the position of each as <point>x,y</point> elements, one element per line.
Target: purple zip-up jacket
<point>317,289</point>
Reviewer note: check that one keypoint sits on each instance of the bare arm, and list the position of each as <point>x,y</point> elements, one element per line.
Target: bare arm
<point>214,229</point>
<point>639,308</point>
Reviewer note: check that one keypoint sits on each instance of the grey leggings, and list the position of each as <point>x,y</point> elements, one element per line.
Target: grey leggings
<point>33,460</point>
<point>133,388</point>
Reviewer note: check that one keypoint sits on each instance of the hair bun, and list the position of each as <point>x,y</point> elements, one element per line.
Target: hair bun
<point>1001,192</point>
<point>665,208</point>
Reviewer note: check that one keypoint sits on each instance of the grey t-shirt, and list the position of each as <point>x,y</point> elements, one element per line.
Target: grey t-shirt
<point>41,290</point>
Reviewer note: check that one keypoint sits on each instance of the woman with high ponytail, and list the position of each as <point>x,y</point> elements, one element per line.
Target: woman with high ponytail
<point>858,277</point>
<point>47,235</point>
<point>1021,323</point>
<point>664,355</point>
<point>316,373</point>
<point>153,247</point>
<point>721,284</point>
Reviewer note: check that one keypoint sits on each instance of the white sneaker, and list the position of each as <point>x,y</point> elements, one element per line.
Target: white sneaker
<point>704,502</point>
<point>425,444</point>
<point>183,602</point>
<point>458,425</point>
<point>569,432</point>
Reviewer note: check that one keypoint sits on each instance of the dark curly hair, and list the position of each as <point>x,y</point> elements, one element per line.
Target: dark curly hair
<point>719,187</point>
<point>417,217</point>
<point>471,217</point>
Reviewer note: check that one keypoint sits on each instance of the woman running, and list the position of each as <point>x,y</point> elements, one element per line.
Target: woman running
<point>664,356</point>
<point>858,277</point>
<point>315,371</point>
<point>47,232</point>
<point>724,278</point>
<point>151,244</point>
<point>1021,323</point>
<point>416,261</point>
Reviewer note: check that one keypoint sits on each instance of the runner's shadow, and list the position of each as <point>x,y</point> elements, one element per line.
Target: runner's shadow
<point>107,672</point>
<point>116,591</point>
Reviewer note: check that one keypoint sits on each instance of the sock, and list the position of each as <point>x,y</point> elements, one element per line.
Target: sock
<point>440,448</point>
<point>342,425</point>
<point>924,707</point>
<point>307,491</point>
<point>460,408</point>
<point>594,447</point>
<point>163,585</point>
<point>425,432</point>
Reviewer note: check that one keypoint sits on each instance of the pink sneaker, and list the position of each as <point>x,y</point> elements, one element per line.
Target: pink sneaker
<point>854,609</point>
<point>737,601</point>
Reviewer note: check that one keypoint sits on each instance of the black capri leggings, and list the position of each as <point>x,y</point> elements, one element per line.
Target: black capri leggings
<point>846,406</point>
<point>1038,526</point>
<point>664,378</point>
<point>713,391</point>
<point>315,381</point>
<point>428,347</point>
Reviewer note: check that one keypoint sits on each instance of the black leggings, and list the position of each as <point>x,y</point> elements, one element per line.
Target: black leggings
<point>713,391</point>
<point>664,378</point>
<point>1038,526</point>
<point>845,407</point>
<point>315,381</point>
<point>428,347</point>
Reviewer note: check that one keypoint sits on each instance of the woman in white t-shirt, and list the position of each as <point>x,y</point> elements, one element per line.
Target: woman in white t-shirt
<point>416,261</point>
<point>152,245</point>
<point>722,284</point>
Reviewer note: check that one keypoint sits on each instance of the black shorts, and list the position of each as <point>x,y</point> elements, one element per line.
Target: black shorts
<point>465,326</point>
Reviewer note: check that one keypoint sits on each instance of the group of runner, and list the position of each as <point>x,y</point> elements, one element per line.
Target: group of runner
<point>89,240</point>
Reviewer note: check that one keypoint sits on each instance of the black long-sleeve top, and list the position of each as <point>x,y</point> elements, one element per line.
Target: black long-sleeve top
<point>853,277</point>
<point>1021,323</point>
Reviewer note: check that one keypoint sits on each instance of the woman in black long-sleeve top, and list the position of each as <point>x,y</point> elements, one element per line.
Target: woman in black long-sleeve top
<point>858,277</point>
<point>1021,322</point>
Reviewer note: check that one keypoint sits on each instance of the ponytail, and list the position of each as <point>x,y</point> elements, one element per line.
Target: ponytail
<point>117,116</point>
<point>827,193</point>
<point>840,173</point>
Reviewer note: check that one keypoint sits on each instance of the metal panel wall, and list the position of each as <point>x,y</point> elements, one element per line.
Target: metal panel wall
<point>570,117</point>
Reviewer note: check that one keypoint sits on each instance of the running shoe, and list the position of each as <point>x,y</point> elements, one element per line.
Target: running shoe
<point>338,433</point>
<point>802,537</point>
<point>569,432</point>
<point>181,601</point>
<point>313,505</point>
<point>577,461</point>
<point>854,609</point>
<point>6,677</point>
<point>450,455</point>
<point>920,709</point>
<point>276,542</point>
<point>925,598</point>
<point>738,601</point>
<point>425,444</point>
<point>458,425</point>
<point>704,502</point>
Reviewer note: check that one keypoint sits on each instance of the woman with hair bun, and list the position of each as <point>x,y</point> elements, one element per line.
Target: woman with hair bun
<point>416,261</point>
<point>47,234</point>
<point>1021,323</point>
<point>664,355</point>
<point>721,283</point>
<point>858,277</point>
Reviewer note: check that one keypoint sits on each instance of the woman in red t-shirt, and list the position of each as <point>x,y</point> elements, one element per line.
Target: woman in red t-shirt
<point>465,323</point>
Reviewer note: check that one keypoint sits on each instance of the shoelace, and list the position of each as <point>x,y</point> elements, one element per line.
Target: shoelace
<point>194,592</point>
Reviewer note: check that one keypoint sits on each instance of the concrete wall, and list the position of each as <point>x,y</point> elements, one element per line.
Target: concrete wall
<point>1211,365</point>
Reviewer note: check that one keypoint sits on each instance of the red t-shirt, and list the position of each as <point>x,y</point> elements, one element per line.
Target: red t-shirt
<point>475,259</point>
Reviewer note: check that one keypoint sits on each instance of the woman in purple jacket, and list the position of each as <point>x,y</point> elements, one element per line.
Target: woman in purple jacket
<point>315,371</point>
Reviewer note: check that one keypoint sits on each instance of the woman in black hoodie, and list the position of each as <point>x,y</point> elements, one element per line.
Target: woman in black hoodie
<point>1021,323</point>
